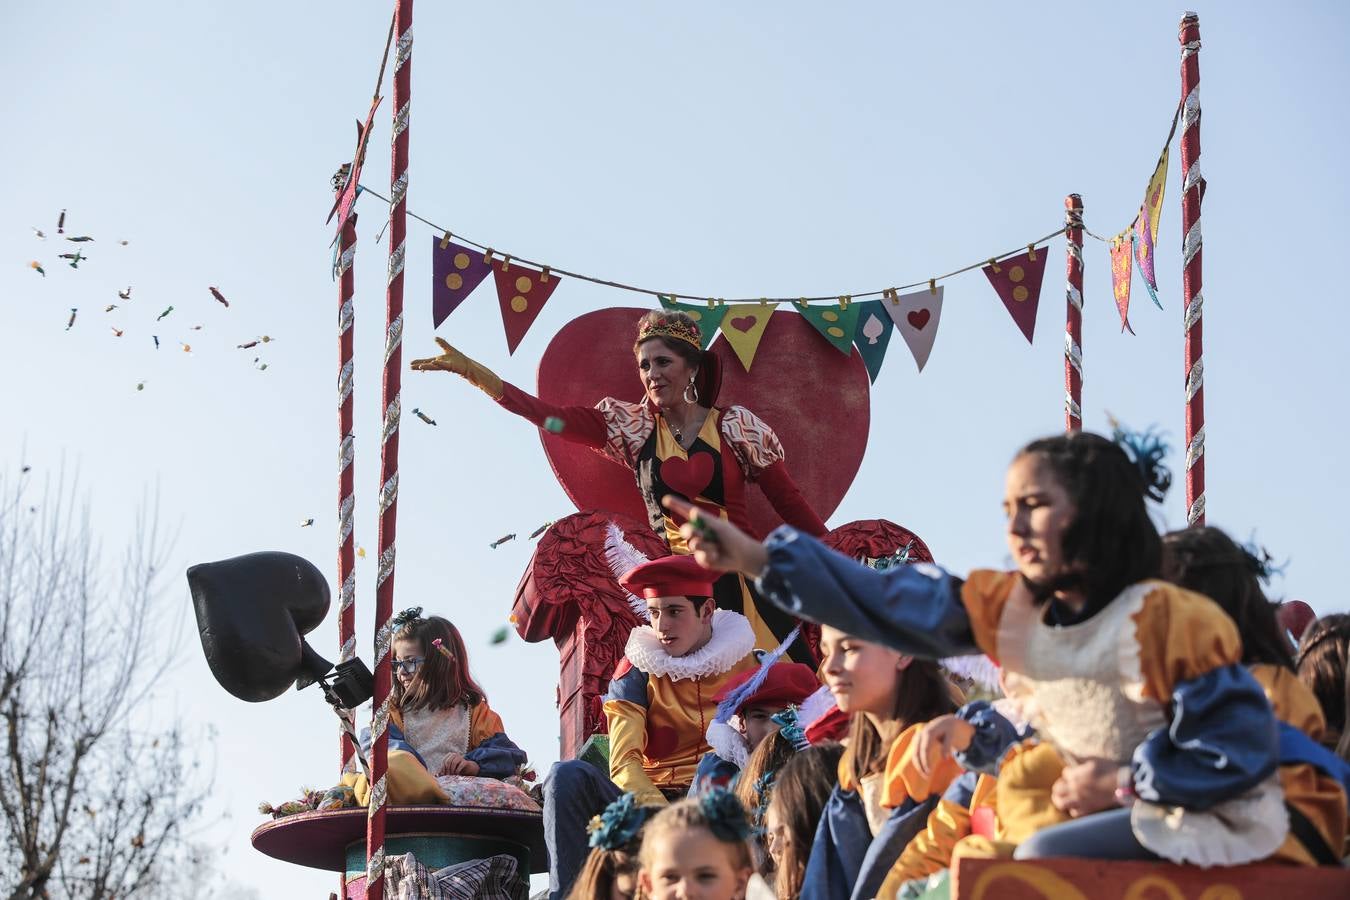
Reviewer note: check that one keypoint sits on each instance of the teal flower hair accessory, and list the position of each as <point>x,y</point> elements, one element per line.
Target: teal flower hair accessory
<point>790,729</point>
<point>725,815</point>
<point>1146,449</point>
<point>619,824</point>
<point>407,617</point>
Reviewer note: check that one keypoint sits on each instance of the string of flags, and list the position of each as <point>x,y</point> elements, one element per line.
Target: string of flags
<point>865,322</point>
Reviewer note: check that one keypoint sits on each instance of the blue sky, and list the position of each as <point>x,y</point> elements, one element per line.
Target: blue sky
<point>743,149</point>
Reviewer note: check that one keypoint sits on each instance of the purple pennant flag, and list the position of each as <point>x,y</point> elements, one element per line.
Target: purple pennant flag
<point>456,271</point>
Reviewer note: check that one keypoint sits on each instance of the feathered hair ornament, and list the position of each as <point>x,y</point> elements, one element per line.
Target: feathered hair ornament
<point>1261,562</point>
<point>725,815</point>
<point>727,708</point>
<point>619,824</point>
<point>406,618</point>
<point>815,706</point>
<point>1146,449</point>
<point>622,557</point>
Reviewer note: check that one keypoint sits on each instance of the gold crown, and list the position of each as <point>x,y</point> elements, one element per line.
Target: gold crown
<point>671,328</point>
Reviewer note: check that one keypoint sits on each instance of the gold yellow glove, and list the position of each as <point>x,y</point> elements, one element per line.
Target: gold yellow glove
<point>451,360</point>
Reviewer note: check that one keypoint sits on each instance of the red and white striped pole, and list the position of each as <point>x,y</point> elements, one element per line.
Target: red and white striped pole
<point>1192,193</point>
<point>346,490</point>
<point>393,377</point>
<point>1073,326</point>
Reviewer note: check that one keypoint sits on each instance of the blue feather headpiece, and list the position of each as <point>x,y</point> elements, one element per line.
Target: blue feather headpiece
<point>1146,449</point>
<point>1261,562</point>
<point>727,708</point>
<point>620,823</point>
<point>725,815</point>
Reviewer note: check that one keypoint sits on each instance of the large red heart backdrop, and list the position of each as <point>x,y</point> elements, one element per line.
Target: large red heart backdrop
<point>815,399</point>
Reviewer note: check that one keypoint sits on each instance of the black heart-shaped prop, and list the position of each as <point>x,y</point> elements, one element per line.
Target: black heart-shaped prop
<point>253,612</point>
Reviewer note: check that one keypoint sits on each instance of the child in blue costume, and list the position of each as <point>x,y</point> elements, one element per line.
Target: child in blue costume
<point>1116,668</point>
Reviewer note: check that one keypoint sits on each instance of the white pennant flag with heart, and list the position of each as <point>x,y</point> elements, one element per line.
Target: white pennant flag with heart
<point>916,317</point>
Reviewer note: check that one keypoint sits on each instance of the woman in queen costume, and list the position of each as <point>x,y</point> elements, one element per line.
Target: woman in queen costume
<point>677,442</point>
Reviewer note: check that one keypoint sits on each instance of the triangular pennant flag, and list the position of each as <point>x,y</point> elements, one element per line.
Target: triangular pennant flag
<point>1120,275</point>
<point>522,293</point>
<point>836,322</point>
<point>1146,227</point>
<point>743,326</point>
<point>916,317</point>
<point>342,206</point>
<point>1017,280</point>
<point>872,335</point>
<point>709,318</point>
<point>456,270</point>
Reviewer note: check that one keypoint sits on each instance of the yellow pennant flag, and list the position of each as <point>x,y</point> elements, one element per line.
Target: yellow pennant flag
<point>743,327</point>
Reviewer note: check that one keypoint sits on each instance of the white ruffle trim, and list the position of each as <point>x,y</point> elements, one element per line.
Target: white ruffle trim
<point>727,743</point>
<point>1247,828</point>
<point>732,640</point>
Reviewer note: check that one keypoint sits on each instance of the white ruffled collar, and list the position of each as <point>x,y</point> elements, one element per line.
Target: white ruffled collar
<point>725,740</point>
<point>732,640</point>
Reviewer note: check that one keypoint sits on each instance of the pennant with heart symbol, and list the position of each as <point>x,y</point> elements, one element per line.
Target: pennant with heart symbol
<point>916,317</point>
<point>743,327</point>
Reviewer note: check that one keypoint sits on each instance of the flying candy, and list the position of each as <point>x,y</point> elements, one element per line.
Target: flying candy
<point>502,540</point>
<point>306,523</point>
<point>215,292</point>
<point>110,307</point>
<point>37,268</point>
<point>247,346</point>
<point>117,332</point>
<point>61,223</point>
<point>81,239</point>
<point>38,232</point>
<point>125,295</point>
<point>71,323</point>
<point>75,258</point>
<point>500,635</point>
<point>423,416</point>
<point>163,314</point>
<point>540,530</point>
<point>156,337</point>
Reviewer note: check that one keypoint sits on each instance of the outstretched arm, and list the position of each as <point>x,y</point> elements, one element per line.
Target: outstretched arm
<point>581,424</point>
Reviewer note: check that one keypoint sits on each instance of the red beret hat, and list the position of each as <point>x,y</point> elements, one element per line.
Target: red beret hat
<point>669,576</point>
<point>787,683</point>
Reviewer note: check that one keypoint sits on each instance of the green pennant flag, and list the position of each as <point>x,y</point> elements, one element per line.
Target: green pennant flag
<point>837,323</point>
<point>873,335</point>
<point>709,319</point>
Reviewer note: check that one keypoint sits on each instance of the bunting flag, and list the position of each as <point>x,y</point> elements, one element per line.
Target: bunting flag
<point>1017,280</point>
<point>1146,226</point>
<point>342,206</point>
<point>743,327</point>
<point>1120,275</point>
<point>872,335</point>
<point>709,319</point>
<point>837,323</point>
<point>456,271</point>
<point>916,317</point>
<point>522,293</point>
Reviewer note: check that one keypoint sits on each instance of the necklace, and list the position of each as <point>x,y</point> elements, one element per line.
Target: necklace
<point>675,430</point>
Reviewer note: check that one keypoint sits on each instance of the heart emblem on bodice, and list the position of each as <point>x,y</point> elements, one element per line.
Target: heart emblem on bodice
<point>814,398</point>
<point>688,476</point>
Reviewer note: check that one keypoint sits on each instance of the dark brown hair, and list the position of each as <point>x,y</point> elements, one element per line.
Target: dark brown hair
<point>924,694</point>
<point>440,683</point>
<point>1111,542</point>
<point>1324,666</point>
<point>800,793</point>
<point>768,758</point>
<point>1209,562</point>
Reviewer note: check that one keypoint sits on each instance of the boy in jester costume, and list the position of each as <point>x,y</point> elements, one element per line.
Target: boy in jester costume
<point>659,705</point>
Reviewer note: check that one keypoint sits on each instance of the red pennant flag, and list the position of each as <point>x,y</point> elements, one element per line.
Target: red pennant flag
<point>1120,247</point>
<point>522,293</point>
<point>1017,280</point>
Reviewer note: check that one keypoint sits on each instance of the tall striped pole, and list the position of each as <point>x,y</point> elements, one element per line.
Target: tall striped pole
<point>1073,326</point>
<point>393,376</point>
<point>346,489</point>
<point>1192,193</point>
